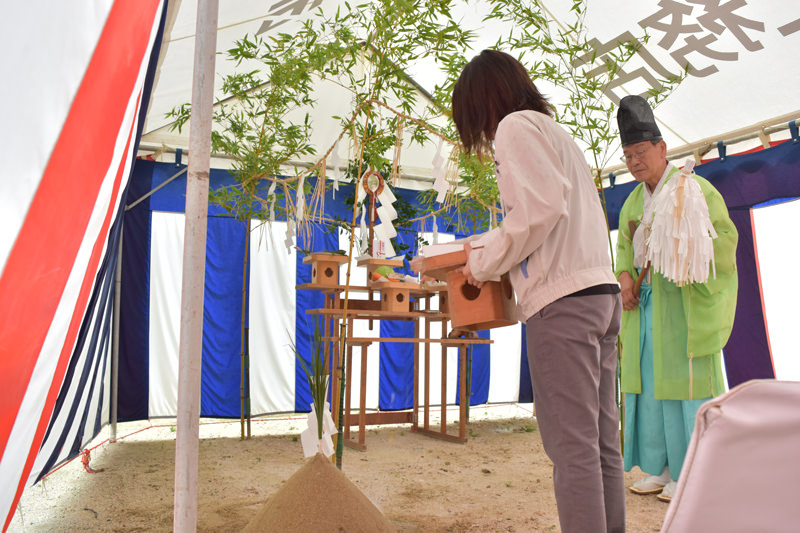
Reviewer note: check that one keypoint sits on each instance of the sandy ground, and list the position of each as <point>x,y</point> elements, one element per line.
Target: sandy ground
<point>500,480</point>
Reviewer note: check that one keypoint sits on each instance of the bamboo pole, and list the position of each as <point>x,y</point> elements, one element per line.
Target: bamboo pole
<point>343,327</point>
<point>194,256</point>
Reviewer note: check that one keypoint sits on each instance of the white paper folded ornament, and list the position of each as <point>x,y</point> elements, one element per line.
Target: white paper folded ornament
<point>385,231</point>
<point>289,240</point>
<point>334,162</point>
<point>271,201</point>
<point>361,193</point>
<point>309,438</point>
<point>438,172</point>
<point>363,237</point>
<point>386,213</point>
<point>386,196</point>
<point>679,242</point>
<point>388,249</point>
<point>300,207</point>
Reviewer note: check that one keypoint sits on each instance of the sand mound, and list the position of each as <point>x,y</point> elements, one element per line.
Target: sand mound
<point>319,498</point>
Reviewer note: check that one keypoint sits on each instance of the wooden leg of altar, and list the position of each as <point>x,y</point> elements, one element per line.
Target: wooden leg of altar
<point>348,411</point>
<point>463,393</point>
<point>463,396</point>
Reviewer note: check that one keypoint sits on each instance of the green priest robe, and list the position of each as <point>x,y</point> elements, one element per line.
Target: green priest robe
<point>692,323</point>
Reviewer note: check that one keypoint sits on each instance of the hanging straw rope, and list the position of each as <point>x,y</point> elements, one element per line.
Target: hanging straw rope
<point>394,175</point>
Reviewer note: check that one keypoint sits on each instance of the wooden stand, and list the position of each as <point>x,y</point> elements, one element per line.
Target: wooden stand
<point>419,415</point>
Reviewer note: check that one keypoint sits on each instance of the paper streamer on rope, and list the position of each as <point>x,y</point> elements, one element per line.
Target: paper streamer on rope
<point>394,175</point>
<point>312,444</point>
<point>300,206</point>
<point>334,162</point>
<point>364,240</point>
<point>271,201</point>
<point>289,241</point>
<point>680,241</point>
<point>439,174</point>
<point>435,231</point>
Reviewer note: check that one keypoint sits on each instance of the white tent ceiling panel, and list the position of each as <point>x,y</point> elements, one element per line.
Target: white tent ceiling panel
<point>738,51</point>
<point>237,19</point>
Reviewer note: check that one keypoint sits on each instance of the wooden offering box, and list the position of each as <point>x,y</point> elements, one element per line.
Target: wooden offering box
<point>395,295</point>
<point>491,306</point>
<point>372,264</point>
<point>325,268</point>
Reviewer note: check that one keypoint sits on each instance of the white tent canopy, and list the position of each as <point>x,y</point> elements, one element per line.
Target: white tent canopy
<point>740,83</point>
<point>76,104</point>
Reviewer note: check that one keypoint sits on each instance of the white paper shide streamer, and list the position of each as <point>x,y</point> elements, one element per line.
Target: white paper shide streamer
<point>271,201</point>
<point>300,206</point>
<point>385,231</point>
<point>289,240</point>
<point>363,230</point>
<point>440,184</point>
<point>680,242</point>
<point>334,162</point>
<point>309,438</point>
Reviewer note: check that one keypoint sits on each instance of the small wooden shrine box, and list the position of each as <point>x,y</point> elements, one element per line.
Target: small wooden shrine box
<point>491,306</point>
<point>395,295</point>
<point>325,268</point>
<point>372,264</point>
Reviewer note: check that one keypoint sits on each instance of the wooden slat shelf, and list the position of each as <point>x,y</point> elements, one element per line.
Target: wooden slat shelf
<point>369,340</point>
<point>379,315</point>
<point>421,291</point>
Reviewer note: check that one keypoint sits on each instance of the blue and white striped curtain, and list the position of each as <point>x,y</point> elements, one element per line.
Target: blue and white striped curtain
<point>275,313</point>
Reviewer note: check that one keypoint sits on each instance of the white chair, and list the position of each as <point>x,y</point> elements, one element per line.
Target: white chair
<point>742,468</point>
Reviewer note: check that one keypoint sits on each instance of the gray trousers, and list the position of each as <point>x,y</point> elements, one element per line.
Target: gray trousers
<point>572,353</point>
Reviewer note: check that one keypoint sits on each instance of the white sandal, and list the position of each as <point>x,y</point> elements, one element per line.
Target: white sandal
<point>668,492</point>
<point>648,485</point>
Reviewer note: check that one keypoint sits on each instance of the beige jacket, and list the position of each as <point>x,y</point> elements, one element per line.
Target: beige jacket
<point>553,240</point>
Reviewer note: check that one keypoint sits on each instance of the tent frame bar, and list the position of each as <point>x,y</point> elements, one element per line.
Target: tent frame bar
<point>761,130</point>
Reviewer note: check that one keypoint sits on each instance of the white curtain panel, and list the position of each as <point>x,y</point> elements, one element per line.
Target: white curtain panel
<point>436,353</point>
<point>166,268</point>
<point>273,274</point>
<point>505,363</point>
<point>358,278</point>
<point>778,257</point>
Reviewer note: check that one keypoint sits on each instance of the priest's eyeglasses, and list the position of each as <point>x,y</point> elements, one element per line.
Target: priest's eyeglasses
<point>627,158</point>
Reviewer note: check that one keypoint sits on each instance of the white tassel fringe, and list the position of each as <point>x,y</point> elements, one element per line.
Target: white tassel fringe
<point>680,243</point>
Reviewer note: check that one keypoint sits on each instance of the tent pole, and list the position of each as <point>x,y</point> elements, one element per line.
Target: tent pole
<point>115,338</point>
<point>194,256</point>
